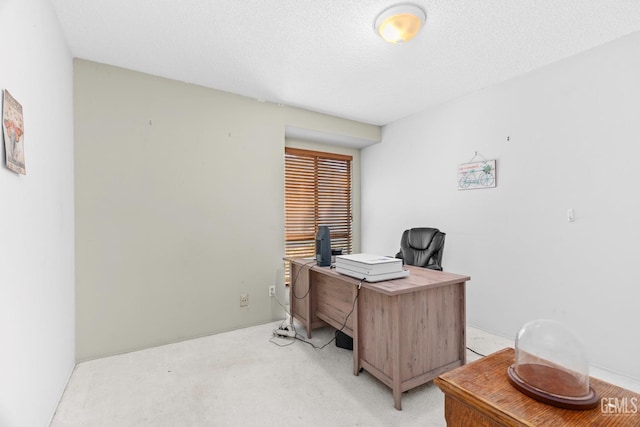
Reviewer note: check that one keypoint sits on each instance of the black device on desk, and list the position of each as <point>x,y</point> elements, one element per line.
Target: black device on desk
<point>323,246</point>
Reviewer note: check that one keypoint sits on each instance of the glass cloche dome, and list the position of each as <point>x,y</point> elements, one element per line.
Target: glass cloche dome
<point>551,366</point>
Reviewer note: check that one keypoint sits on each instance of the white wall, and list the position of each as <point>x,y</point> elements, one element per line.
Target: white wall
<point>179,207</point>
<point>36,219</point>
<point>574,143</point>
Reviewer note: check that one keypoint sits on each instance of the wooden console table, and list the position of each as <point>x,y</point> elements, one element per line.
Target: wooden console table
<point>405,331</point>
<point>479,394</point>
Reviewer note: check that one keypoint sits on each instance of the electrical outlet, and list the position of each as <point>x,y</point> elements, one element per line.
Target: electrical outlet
<point>244,300</point>
<point>272,290</point>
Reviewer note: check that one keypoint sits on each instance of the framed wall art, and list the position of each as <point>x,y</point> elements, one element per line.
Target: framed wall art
<point>13,132</point>
<point>475,175</point>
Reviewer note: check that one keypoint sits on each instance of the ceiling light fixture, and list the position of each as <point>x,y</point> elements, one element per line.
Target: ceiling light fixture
<point>399,24</point>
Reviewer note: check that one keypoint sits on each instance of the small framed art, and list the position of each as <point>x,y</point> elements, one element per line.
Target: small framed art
<point>13,132</point>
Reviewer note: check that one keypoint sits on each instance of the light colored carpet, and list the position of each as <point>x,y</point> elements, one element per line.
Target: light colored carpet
<point>244,378</point>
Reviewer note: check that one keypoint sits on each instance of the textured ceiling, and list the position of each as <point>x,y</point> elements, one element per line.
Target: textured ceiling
<point>323,55</point>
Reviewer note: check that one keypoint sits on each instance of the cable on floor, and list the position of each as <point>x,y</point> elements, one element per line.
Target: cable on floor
<point>353,306</point>
<point>473,351</point>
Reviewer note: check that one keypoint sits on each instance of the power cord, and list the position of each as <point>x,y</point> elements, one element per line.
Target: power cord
<point>353,306</point>
<point>291,324</point>
<point>289,331</point>
<point>473,351</point>
<point>284,331</point>
<point>271,340</point>
<point>283,307</point>
<point>295,279</point>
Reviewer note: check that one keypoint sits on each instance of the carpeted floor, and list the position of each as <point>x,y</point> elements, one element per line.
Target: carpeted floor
<point>246,378</point>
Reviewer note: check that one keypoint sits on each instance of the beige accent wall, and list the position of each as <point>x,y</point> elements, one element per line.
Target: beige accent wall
<point>179,207</point>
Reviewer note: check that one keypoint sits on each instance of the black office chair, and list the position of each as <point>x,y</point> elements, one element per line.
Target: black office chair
<point>422,247</point>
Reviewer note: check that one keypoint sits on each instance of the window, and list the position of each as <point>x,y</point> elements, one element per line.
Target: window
<point>317,192</point>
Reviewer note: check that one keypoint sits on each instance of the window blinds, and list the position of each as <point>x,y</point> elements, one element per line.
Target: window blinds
<point>317,192</point>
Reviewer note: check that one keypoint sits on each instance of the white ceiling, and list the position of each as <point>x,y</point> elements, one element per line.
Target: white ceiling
<point>323,55</point>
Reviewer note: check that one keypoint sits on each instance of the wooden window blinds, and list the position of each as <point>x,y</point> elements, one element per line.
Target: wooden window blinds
<point>317,192</point>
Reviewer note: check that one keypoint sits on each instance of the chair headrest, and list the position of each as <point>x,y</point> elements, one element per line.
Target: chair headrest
<point>420,238</point>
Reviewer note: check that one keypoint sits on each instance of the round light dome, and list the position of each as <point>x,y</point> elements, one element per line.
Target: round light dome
<point>401,23</point>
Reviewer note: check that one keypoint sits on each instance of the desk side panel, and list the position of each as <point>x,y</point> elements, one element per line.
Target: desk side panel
<point>375,331</point>
<point>299,292</point>
<point>432,330</point>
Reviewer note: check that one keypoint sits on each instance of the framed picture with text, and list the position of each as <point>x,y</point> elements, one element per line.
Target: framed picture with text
<point>477,175</point>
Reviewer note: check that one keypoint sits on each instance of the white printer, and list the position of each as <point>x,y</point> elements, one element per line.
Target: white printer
<point>371,268</point>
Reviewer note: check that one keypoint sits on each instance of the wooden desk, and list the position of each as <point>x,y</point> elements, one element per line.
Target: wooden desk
<point>405,331</point>
<point>479,394</point>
